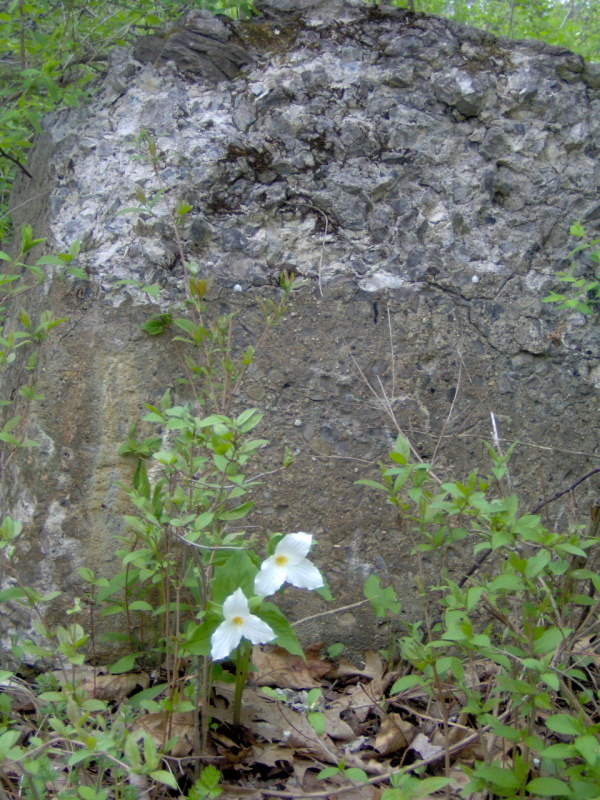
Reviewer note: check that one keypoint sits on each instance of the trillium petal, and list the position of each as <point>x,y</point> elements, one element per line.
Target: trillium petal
<point>225,639</point>
<point>294,546</point>
<point>270,578</point>
<point>236,605</point>
<point>258,631</point>
<point>305,575</point>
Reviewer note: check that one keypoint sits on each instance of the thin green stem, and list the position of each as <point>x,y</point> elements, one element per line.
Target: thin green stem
<point>241,673</point>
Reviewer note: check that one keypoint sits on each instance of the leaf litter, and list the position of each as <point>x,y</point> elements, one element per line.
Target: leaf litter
<point>276,752</point>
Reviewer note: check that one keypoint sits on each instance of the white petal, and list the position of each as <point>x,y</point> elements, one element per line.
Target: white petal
<point>305,575</point>
<point>270,578</point>
<point>257,631</point>
<point>294,546</point>
<point>236,605</point>
<point>225,639</point>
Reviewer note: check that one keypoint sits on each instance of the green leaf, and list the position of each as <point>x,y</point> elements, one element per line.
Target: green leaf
<point>356,774</point>
<point>407,682</point>
<point>147,694</point>
<point>286,636</point>
<point>317,720</point>
<point>140,605</point>
<point>77,273</point>
<point>589,747</point>
<point>372,484</point>
<point>185,324</point>
<point>564,723</point>
<point>197,640</point>
<point>328,772</point>
<point>236,513</point>
<point>382,600</point>
<point>237,572</point>
<point>125,664</point>
<point>428,786</point>
<point>549,640</point>
<point>498,776</point>
<point>7,742</point>
<point>548,787</point>
<point>162,776</point>
<point>157,324</point>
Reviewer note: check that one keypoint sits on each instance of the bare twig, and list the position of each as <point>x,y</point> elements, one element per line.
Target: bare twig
<point>564,491</point>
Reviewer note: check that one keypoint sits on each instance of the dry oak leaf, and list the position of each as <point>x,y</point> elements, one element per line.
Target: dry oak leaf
<point>394,734</point>
<point>363,698</point>
<point>162,726</point>
<point>373,668</point>
<point>273,756</point>
<point>424,748</point>
<point>99,683</point>
<point>276,667</point>
<point>585,648</point>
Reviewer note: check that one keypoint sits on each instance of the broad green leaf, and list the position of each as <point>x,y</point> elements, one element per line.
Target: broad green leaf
<point>125,664</point>
<point>147,694</point>
<point>317,720</point>
<point>589,747</point>
<point>356,774</point>
<point>382,600</point>
<point>548,787</point>
<point>498,776</point>
<point>328,772</point>
<point>286,636</point>
<point>564,723</point>
<point>407,682</point>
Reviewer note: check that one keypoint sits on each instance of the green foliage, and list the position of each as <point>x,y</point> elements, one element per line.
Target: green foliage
<point>525,617</point>
<point>571,25</point>
<point>52,54</point>
<point>207,785</point>
<point>584,294</point>
<point>20,335</point>
<point>353,774</point>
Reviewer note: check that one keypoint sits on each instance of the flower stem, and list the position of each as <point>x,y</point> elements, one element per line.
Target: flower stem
<point>242,662</point>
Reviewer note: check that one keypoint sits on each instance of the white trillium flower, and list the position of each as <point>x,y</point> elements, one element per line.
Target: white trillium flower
<point>288,563</point>
<point>238,623</point>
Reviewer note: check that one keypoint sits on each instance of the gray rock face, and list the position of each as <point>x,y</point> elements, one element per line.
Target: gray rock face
<point>422,177</point>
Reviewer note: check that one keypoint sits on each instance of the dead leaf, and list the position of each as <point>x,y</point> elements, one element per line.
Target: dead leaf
<point>273,756</point>
<point>363,698</point>
<point>373,668</point>
<point>424,748</point>
<point>394,734</point>
<point>276,667</point>
<point>162,726</point>
<point>584,649</point>
<point>99,683</point>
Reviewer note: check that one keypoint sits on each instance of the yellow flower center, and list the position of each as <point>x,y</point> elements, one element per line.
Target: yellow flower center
<point>237,621</point>
<point>281,561</point>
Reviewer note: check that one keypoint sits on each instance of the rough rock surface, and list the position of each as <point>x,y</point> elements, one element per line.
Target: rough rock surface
<point>422,176</point>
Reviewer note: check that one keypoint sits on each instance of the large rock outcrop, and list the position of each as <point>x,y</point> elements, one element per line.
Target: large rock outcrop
<point>422,177</point>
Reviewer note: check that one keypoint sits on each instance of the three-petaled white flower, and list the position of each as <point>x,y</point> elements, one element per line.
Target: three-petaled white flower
<point>288,563</point>
<point>238,623</point>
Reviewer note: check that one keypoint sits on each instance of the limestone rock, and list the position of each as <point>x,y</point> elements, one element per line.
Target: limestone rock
<point>420,175</point>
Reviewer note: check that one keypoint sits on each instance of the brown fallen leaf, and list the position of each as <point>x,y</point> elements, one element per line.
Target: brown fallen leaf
<point>585,648</point>
<point>363,698</point>
<point>162,726</point>
<point>424,748</point>
<point>373,668</point>
<point>273,756</point>
<point>394,734</point>
<point>99,683</point>
<point>276,667</point>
